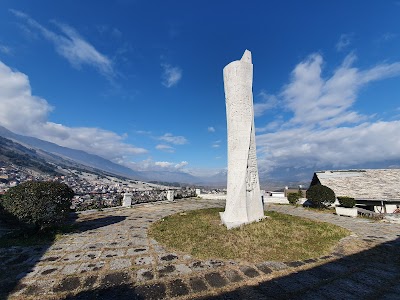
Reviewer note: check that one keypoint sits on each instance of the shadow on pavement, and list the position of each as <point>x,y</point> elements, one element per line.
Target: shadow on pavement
<point>371,274</point>
<point>18,261</point>
<point>92,224</point>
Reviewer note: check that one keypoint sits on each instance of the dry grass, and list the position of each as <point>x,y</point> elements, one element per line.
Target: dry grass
<point>279,237</point>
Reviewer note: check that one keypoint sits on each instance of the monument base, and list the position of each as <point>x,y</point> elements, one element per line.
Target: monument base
<point>230,225</point>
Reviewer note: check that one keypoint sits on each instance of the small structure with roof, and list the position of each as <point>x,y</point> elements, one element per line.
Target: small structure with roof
<point>378,189</point>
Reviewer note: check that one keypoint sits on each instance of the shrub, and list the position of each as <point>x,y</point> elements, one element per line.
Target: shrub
<point>347,201</point>
<point>320,196</point>
<point>38,204</point>
<point>293,198</point>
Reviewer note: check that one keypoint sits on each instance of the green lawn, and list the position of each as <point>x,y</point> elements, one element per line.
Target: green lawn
<point>279,237</point>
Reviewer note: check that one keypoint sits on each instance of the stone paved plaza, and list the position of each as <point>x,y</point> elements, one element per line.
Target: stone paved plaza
<point>113,258</point>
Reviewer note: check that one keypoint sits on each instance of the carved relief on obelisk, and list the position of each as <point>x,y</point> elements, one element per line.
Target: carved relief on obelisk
<point>243,201</point>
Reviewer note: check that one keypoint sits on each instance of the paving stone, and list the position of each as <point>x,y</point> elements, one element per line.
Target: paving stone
<point>144,274</point>
<point>91,266</point>
<point>233,275</point>
<point>384,274</point>
<point>182,269</point>
<point>354,287</point>
<point>306,279</point>
<point>166,270</point>
<point>290,284</point>
<point>178,288</point>
<point>146,260</point>
<point>198,266</point>
<point>366,278</point>
<point>249,271</point>
<point>89,281</point>
<point>120,263</point>
<point>320,273</point>
<point>294,264</point>
<point>49,269</point>
<point>137,251</point>
<point>215,280</point>
<point>91,255</point>
<point>271,290</point>
<point>264,268</point>
<point>70,269</point>
<point>168,257</point>
<point>110,254</point>
<point>332,291</point>
<point>117,278</point>
<point>151,292</point>
<point>72,257</point>
<point>197,284</point>
<point>212,263</point>
<point>275,265</point>
<point>67,284</point>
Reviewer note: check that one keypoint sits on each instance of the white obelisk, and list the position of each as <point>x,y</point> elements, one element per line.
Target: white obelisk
<point>243,201</point>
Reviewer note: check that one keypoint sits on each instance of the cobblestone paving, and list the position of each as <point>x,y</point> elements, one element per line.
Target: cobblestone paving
<point>113,258</point>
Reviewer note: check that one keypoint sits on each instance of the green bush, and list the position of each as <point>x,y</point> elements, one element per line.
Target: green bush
<point>347,201</point>
<point>38,204</point>
<point>320,196</point>
<point>293,198</point>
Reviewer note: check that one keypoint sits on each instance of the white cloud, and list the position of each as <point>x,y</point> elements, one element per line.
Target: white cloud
<point>163,164</point>
<point>344,42</point>
<point>216,144</point>
<point>211,129</point>
<point>181,165</point>
<point>171,75</point>
<point>326,102</point>
<point>165,148</point>
<point>72,46</point>
<point>176,140</point>
<point>268,102</point>
<point>325,131</point>
<point>150,165</point>
<point>24,113</point>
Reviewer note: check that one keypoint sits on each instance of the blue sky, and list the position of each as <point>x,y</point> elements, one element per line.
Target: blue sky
<point>140,82</point>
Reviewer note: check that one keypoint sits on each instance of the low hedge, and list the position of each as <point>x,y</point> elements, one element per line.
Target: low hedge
<point>293,198</point>
<point>345,201</point>
<point>38,204</point>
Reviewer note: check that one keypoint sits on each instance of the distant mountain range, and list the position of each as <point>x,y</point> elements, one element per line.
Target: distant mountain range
<point>51,152</point>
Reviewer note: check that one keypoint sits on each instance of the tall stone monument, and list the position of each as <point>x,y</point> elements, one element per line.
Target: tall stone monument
<point>243,201</point>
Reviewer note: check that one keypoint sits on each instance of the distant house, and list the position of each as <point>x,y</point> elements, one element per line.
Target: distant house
<point>377,188</point>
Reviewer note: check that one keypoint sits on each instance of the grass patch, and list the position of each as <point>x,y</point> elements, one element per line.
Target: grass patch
<point>280,237</point>
<point>26,237</point>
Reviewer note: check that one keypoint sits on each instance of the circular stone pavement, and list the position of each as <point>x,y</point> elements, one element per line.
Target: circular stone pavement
<point>112,257</point>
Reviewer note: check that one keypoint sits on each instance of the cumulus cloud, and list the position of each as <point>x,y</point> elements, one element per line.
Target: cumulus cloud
<point>70,45</point>
<point>315,100</point>
<point>165,148</point>
<point>171,75</point>
<point>267,102</point>
<point>26,114</point>
<point>325,130</point>
<point>211,129</point>
<point>176,140</point>
<point>151,165</point>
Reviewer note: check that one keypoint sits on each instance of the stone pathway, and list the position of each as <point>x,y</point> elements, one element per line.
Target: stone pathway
<point>113,258</point>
